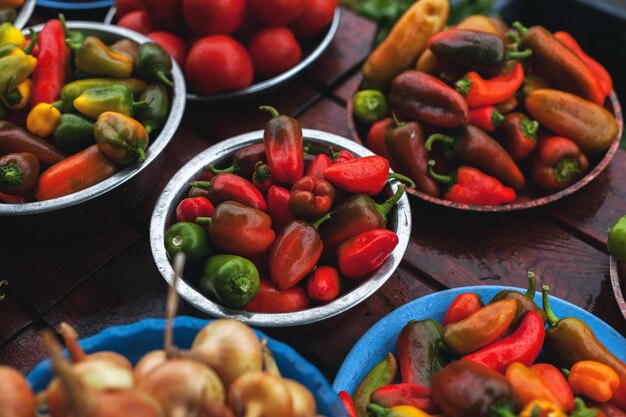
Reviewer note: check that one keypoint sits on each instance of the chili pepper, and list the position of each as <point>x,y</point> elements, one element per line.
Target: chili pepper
<point>95,58</point>
<point>420,352</point>
<point>225,187</point>
<point>541,408</point>
<point>468,185</point>
<point>239,230</point>
<point>557,163</point>
<point>341,156</point>
<point>72,37</point>
<point>525,302</point>
<point>191,208</point>
<point>73,133</point>
<point>116,98</point>
<point>518,135</point>
<point>397,411</point>
<point>405,144</point>
<point>481,92</point>
<point>231,279</point>
<point>188,238</point>
<point>9,34</point>
<point>318,165</point>
<point>477,149</point>
<point>15,139</point>
<point>154,64</point>
<point>7,14</point>
<point>570,340</point>
<point>553,378</point>
<point>348,405</point>
<point>404,394</point>
<point>383,373</point>
<point>594,380</point>
<point>278,207</point>
<point>466,388</point>
<point>529,386</point>
<point>126,47</point>
<point>154,113</point>
<point>376,138</point>
<point>488,118</point>
<point>18,98</point>
<point>531,83</point>
<point>369,105</point>
<point>14,69</point>
<point>365,253</point>
<point>323,284</point>
<point>270,299</point>
<point>616,241</point>
<point>121,138</point>
<point>18,172</point>
<point>419,96</point>
<point>480,329</point>
<point>72,90</point>
<point>283,146</point>
<point>297,249</point>
<point>244,161</point>
<point>591,126</point>
<point>602,75</point>
<point>311,197</point>
<point>354,216</point>
<point>262,178</point>
<point>463,306</point>
<point>43,120</point>
<point>15,199</point>
<point>50,75</point>
<point>75,173</point>
<point>508,105</point>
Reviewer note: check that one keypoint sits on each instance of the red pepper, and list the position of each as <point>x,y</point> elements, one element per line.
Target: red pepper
<point>191,208</point>
<point>365,252</point>
<point>50,74</point>
<point>367,175</point>
<point>318,165</point>
<point>488,118</point>
<point>262,178</point>
<point>553,378</point>
<point>480,92</point>
<point>341,156</point>
<point>404,394</point>
<point>346,400</point>
<point>283,147</point>
<point>557,163</point>
<point>270,299</point>
<point>463,306</point>
<point>376,138</point>
<point>278,207</point>
<point>523,345</point>
<point>470,186</point>
<point>518,135</point>
<point>244,161</point>
<point>225,187</point>
<point>324,284</point>
<point>14,199</point>
<point>311,197</point>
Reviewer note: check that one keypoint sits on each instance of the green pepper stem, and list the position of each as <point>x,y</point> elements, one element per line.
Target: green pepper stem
<point>234,168</point>
<point>384,208</point>
<point>203,220</point>
<point>520,28</point>
<point>514,37</point>
<point>526,53</point>
<point>205,185</point>
<point>378,410</point>
<point>532,286</point>
<point>566,372</point>
<point>14,97</point>
<point>581,410</point>
<point>11,175</point>
<point>271,110</point>
<point>322,219</point>
<point>529,128</point>
<point>140,152</point>
<point>448,140</point>
<point>400,177</point>
<point>66,31</point>
<point>552,318</point>
<point>261,173</point>
<point>164,79</point>
<point>502,408</point>
<point>33,41</point>
<point>444,179</point>
<point>463,86</point>
<point>396,122</point>
<point>566,169</point>
<point>496,118</point>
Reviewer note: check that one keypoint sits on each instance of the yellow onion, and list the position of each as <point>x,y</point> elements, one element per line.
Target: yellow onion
<point>149,362</point>
<point>260,394</point>
<point>302,399</point>
<point>16,397</point>
<point>70,337</point>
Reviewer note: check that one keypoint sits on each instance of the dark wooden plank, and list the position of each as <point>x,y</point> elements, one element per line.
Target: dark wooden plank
<point>24,351</point>
<point>346,90</point>
<point>15,317</point>
<point>328,116</point>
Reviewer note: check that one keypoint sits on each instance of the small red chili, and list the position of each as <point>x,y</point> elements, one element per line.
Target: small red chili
<point>364,253</point>
<point>341,156</point>
<point>346,400</point>
<point>270,299</point>
<point>488,118</point>
<point>191,208</point>
<point>311,197</point>
<point>480,92</point>
<point>376,137</point>
<point>225,187</point>
<point>324,284</point>
<point>262,178</point>
<point>463,306</point>
<point>278,207</point>
<point>318,165</point>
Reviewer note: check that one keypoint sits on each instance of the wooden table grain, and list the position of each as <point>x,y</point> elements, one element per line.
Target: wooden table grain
<point>109,278</point>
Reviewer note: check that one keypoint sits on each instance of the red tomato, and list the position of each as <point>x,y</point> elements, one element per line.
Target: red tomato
<point>214,17</point>
<point>276,12</point>
<point>317,15</point>
<point>218,63</point>
<point>174,45</point>
<point>274,50</point>
<point>166,13</point>
<point>139,21</point>
<point>126,6</point>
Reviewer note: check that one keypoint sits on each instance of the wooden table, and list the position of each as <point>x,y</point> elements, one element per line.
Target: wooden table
<point>109,278</point>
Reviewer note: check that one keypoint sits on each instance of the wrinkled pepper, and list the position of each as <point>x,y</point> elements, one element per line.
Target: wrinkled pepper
<point>270,299</point>
<point>116,98</point>
<point>95,58</point>
<point>529,386</point>
<point>189,209</point>
<point>594,380</point>
<point>244,161</point>
<point>73,90</point>
<point>121,138</point>
<point>348,405</point>
<point>420,352</point>
<point>155,112</point>
<point>18,172</point>
<point>369,105</point>
<point>324,284</point>
<point>74,133</point>
<point>14,69</point>
<point>518,135</point>
<point>15,139</point>
<point>525,302</point>
<point>278,207</point>
<point>188,238</point>
<point>482,92</point>
<point>50,75</point>
<point>231,279</point>
<point>283,146</point>
<point>262,178</point>
<point>554,379</point>
<point>366,252</point>
<point>225,187</point>
<point>383,373</point>
<point>404,394</point>
<point>154,64</point>
<point>488,118</point>
<point>311,197</point>
<point>463,306</point>
<point>557,163</point>
<point>397,411</point>
<point>43,120</point>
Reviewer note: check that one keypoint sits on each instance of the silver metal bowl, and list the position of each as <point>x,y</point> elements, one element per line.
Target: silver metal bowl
<point>24,14</point>
<point>618,282</point>
<point>399,221</point>
<point>131,183</point>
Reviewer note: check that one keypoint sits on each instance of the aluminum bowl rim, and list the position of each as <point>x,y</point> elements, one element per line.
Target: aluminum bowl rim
<point>26,11</point>
<point>157,146</point>
<point>369,286</point>
<point>617,285</point>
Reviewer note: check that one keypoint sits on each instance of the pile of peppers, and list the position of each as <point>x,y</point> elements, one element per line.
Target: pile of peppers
<point>499,111</point>
<point>74,110</point>
<point>285,225</point>
<point>482,361</point>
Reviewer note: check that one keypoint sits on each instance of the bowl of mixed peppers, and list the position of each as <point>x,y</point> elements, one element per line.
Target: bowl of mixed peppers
<point>87,108</point>
<point>449,354</point>
<point>16,12</point>
<point>483,116</point>
<point>281,227</point>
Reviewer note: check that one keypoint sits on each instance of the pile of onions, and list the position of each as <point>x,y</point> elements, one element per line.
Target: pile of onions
<point>16,397</point>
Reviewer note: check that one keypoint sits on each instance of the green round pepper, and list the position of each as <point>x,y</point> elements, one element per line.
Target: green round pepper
<point>370,106</point>
<point>189,238</point>
<point>232,279</point>
<point>616,244</point>
<point>154,64</point>
<point>74,133</point>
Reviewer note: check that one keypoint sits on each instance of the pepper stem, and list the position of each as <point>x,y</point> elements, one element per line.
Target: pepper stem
<point>526,53</point>
<point>529,128</point>
<point>205,185</point>
<point>11,175</point>
<point>463,86</point>
<point>203,220</point>
<point>66,31</point>
<point>396,122</point>
<point>400,177</point>
<point>33,41</point>
<point>502,408</point>
<point>532,286</point>
<point>444,179</point>
<point>566,169</point>
<point>514,37</point>
<point>552,318</point>
<point>271,111</point>
<point>261,173</point>
<point>520,28</point>
<point>141,154</point>
<point>322,219</point>
<point>384,208</point>
<point>496,118</point>
<point>377,410</point>
<point>448,140</point>
<point>164,79</point>
<point>234,168</point>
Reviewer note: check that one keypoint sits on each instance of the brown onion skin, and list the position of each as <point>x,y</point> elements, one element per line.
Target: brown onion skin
<point>16,397</point>
<point>260,394</point>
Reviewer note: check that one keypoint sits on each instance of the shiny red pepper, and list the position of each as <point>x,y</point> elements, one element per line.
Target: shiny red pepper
<point>404,394</point>
<point>523,345</point>
<point>278,207</point>
<point>365,252</point>
<point>283,147</point>
<point>553,378</point>
<point>557,163</point>
<point>225,187</point>
<point>480,92</point>
<point>191,208</point>
<point>311,197</point>
<point>463,306</point>
<point>342,156</point>
<point>262,178</point>
<point>346,400</point>
<point>376,138</point>
<point>488,118</point>
<point>50,74</point>
<point>318,165</point>
<point>324,284</point>
<point>518,135</point>
<point>270,299</point>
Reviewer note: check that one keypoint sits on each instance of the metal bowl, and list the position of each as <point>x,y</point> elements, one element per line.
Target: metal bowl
<point>529,198</point>
<point>399,221</point>
<point>618,282</point>
<point>131,184</point>
<point>24,14</point>
<point>310,52</point>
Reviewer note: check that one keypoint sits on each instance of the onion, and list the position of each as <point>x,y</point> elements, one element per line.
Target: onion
<point>70,337</point>
<point>259,394</point>
<point>149,362</point>
<point>16,397</point>
<point>303,401</point>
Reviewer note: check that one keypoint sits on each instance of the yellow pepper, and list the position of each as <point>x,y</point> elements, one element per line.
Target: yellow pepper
<point>397,411</point>
<point>43,120</point>
<point>23,94</point>
<point>541,408</point>
<point>594,380</point>
<point>11,3</point>
<point>9,34</point>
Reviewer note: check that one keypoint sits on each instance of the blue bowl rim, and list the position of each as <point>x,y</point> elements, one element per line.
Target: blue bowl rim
<point>72,5</point>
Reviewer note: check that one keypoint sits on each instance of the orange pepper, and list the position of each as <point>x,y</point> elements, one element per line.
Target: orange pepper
<point>529,386</point>
<point>554,379</point>
<point>594,380</point>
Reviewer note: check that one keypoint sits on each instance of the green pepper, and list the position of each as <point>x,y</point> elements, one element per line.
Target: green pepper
<point>73,133</point>
<point>154,114</point>
<point>370,106</point>
<point>74,89</point>
<point>420,352</point>
<point>95,58</point>
<point>616,243</point>
<point>13,70</point>
<point>154,63</point>
<point>525,302</point>
<point>121,138</point>
<point>233,280</point>
<point>7,14</point>
<point>189,238</point>
<point>115,98</point>
<point>383,373</point>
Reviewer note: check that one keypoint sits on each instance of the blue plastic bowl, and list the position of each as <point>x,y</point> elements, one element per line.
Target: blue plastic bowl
<point>373,346</point>
<point>135,340</point>
<point>75,5</point>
